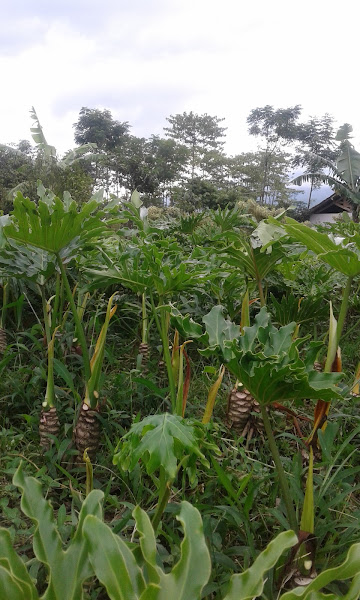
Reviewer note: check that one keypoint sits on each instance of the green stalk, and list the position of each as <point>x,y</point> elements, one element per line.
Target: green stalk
<point>162,329</point>
<point>78,324</point>
<point>57,300</point>
<point>50,386</point>
<point>144,320</point>
<point>280,471</point>
<point>165,490</point>
<point>5,299</point>
<point>46,316</point>
<point>180,391</point>
<point>343,309</point>
<point>258,280</point>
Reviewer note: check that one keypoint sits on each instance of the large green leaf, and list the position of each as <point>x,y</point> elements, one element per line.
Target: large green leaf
<point>265,359</point>
<point>343,259</point>
<point>191,573</point>
<point>219,329</point>
<point>15,582</point>
<point>113,562</point>
<point>54,225</point>
<point>17,260</point>
<point>69,568</point>
<point>250,259</point>
<point>159,441</point>
<point>250,584</point>
<point>119,571</point>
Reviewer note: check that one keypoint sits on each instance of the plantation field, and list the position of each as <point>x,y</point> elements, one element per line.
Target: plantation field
<point>179,403</point>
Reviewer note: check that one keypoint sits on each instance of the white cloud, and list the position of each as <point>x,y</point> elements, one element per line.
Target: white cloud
<point>147,60</point>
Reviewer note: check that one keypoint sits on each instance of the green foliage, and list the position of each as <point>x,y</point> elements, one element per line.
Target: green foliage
<point>54,225</point>
<point>67,569</point>
<point>265,359</point>
<point>132,570</point>
<point>159,441</point>
<point>344,259</point>
<point>120,570</point>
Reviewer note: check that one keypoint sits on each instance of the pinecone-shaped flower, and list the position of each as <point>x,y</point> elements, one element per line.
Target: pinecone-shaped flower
<point>241,405</point>
<point>3,340</point>
<point>87,432</point>
<point>49,424</point>
<point>161,368</point>
<point>144,351</point>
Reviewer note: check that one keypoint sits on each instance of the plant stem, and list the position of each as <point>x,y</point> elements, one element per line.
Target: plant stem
<point>5,297</point>
<point>258,280</point>
<point>161,506</point>
<point>144,336</point>
<point>280,471</point>
<point>46,316</point>
<point>57,301</point>
<point>162,329</point>
<point>343,310</point>
<point>79,327</point>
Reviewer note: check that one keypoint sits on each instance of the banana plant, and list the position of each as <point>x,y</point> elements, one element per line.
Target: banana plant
<point>344,175</point>
<point>267,362</point>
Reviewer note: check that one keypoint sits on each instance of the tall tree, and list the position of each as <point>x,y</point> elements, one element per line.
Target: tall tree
<point>245,173</point>
<point>169,159</point>
<point>199,133</point>
<point>316,142</point>
<point>277,128</point>
<point>98,127</point>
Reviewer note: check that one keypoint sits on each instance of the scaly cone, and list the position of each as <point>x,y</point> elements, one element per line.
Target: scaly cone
<point>241,405</point>
<point>3,341</point>
<point>49,425</point>
<point>87,430</point>
<point>144,346</point>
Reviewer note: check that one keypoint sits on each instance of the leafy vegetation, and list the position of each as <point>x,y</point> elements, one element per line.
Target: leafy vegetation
<point>179,392</point>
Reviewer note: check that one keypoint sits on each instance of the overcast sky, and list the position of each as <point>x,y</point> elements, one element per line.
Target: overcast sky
<point>147,59</point>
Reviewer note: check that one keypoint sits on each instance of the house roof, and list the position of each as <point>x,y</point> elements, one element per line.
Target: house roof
<point>333,204</point>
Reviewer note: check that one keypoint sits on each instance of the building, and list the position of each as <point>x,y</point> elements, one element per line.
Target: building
<point>330,209</point>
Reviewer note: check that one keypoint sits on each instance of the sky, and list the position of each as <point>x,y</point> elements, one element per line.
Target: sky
<point>147,59</point>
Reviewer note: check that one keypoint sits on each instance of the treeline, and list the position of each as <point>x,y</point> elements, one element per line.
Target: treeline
<point>187,167</point>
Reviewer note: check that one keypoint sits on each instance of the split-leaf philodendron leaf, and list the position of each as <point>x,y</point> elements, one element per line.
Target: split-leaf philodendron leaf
<point>265,359</point>
<point>54,225</point>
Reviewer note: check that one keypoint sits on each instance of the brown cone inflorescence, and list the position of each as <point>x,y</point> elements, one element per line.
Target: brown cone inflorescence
<point>87,431</point>
<point>49,424</point>
<point>3,340</point>
<point>240,406</point>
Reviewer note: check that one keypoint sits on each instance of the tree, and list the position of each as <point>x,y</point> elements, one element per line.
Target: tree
<point>98,127</point>
<point>245,172</point>
<point>199,133</point>
<point>344,174</point>
<point>276,127</point>
<point>15,165</point>
<point>316,140</point>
